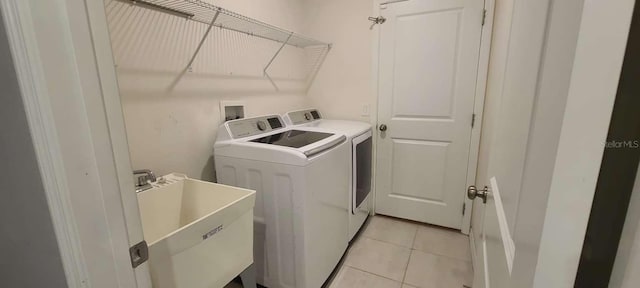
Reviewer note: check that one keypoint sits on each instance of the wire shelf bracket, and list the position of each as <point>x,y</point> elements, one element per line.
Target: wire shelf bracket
<point>264,71</point>
<point>204,37</point>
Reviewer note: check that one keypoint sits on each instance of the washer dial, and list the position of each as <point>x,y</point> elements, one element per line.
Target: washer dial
<point>261,125</point>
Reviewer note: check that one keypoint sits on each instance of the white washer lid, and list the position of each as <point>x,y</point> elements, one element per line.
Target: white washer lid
<point>245,148</point>
<point>346,127</point>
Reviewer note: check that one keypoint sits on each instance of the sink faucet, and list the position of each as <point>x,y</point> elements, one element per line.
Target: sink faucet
<point>143,182</point>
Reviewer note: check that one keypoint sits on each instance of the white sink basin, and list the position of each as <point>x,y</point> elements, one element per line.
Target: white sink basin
<point>200,234</point>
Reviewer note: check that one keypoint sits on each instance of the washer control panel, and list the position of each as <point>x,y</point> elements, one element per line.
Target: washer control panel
<point>304,116</point>
<point>254,126</point>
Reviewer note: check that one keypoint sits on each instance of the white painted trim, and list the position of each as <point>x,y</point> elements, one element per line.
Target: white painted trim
<point>595,75</point>
<point>22,41</point>
<point>478,109</point>
<point>375,61</point>
<point>474,252</point>
<point>507,242</point>
<point>485,259</point>
<point>126,229</point>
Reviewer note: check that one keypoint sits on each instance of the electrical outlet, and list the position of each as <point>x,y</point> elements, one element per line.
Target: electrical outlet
<point>365,110</point>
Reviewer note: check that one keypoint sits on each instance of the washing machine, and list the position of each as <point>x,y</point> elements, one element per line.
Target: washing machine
<point>300,215</point>
<point>359,137</point>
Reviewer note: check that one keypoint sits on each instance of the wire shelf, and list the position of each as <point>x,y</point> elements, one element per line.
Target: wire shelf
<point>213,16</point>
<point>207,13</point>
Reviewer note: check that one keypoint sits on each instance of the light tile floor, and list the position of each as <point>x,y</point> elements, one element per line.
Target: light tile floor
<point>394,253</point>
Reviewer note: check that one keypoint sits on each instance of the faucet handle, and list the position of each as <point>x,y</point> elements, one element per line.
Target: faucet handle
<point>146,176</point>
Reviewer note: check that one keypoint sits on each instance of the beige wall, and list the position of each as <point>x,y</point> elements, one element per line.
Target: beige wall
<point>173,129</point>
<point>344,83</point>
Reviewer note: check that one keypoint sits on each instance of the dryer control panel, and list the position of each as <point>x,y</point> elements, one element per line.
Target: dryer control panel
<point>254,126</point>
<point>304,116</point>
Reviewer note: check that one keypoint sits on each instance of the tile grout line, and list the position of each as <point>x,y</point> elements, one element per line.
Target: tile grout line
<point>384,242</point>
<point>442,255</point>
<point>374,274</point>
<point>438,254</point>
<point>415,235</point>
<point>387,242</point>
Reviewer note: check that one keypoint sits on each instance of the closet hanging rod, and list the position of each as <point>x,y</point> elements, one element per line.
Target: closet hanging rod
<point>160,8</point>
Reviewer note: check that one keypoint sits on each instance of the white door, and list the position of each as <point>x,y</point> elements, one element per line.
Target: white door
<point>519,32</point>
<point>497,249</point>
<point>428,67</point>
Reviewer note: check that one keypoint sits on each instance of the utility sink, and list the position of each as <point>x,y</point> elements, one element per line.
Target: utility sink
<point>200,234</point>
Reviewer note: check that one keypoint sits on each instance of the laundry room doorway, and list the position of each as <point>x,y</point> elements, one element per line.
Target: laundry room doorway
<point>430,55</point>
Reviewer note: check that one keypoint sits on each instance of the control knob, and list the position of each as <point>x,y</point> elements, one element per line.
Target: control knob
<point>261,125</point>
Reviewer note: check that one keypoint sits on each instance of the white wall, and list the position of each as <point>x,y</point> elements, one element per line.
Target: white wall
<point>556,69</point>
<point>627,264</point>
<point>599,53</point>
<point>344,83</point>
<point>173,129</point>
<point>29,254</point>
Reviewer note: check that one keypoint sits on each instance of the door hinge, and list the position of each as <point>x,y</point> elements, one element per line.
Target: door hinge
<point>464,208</point>
<point>484,16</point>
<point>473,119</point>
<point>139,253</point>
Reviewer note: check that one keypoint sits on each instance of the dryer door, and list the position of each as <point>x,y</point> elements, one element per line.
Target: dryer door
<point>362,159</point>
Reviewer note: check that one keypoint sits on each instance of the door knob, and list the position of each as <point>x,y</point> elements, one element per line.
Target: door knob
<point>383,127</point>
<point>473,192</point>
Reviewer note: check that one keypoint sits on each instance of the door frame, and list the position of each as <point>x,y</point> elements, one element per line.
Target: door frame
<point>563,160</point>
<point>478,107</point>
<point>92,87</point>
<point>478,110</point>
<point>17,22</point>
